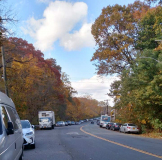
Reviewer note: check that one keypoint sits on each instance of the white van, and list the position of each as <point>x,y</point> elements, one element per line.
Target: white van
<point>11,138</point>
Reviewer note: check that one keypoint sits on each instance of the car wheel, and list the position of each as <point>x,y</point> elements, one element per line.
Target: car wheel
<point>33,146</point>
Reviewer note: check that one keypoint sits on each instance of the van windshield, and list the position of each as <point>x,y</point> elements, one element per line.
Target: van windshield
<point>25,124</point>
<point>0,125</point>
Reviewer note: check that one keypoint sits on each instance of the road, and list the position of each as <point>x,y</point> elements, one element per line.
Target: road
<point>90,142</point>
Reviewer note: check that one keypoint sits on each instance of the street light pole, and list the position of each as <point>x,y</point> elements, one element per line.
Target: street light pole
<point>4,70</point>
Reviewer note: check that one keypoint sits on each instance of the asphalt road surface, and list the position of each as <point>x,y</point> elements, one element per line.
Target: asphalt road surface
<point>90,142</point>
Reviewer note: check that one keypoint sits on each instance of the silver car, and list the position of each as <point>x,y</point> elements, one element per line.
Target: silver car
<point>129,128</point>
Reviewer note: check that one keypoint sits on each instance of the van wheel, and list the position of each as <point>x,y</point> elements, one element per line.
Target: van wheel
<point>21,157</point>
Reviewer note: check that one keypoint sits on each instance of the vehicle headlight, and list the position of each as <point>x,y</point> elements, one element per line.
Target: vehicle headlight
<point>29,133</point>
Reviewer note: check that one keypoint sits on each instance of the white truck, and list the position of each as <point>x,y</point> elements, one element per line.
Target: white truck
<point>104,120</point>
<point>46,119</point>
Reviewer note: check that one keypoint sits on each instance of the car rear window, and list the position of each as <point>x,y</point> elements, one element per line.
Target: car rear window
<point>131,125</point>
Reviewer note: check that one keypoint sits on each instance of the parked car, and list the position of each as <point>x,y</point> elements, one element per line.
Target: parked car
<point>81,121</point>
<point>115,126</point>
<point>98,121</point>
<point>69,122</point>
<point>72,122</point>
<point>92,122</point>
<point>109,124</point>
<point>66,123</point>
<point>77,122</point>
<point>129,128</point>
<point>60,123</point>
<point>28,133</point>
<point>10,130</point>
<point>103,125</point>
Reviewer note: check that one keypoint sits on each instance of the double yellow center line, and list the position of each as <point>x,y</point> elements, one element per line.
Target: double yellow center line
<point>119,144</point>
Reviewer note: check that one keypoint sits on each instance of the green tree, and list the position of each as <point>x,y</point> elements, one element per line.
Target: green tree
<point>150,29</point>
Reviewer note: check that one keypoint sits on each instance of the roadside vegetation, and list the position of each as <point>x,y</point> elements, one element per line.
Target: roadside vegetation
<point>129,44</point>
<point>35,84</point>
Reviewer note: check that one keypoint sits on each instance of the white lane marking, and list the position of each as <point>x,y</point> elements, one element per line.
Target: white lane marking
<point>73,133</point>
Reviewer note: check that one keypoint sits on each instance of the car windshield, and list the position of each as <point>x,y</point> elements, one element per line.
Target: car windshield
<point>44,119</point>
<point>25,124</point>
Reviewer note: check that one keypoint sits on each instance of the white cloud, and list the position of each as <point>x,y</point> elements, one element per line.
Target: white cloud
<point>96,87</point>
<point>78,39</point>
<point>59,19</point>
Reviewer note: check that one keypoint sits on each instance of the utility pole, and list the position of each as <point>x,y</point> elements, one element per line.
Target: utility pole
<point>4,70</point>
<point>107,109</point>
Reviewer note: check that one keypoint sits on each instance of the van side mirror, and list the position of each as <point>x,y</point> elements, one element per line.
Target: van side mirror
<point>10,129</point>
<point>32,126</point>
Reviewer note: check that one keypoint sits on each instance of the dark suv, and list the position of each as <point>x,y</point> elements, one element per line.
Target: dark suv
<point>115,126</point>
<point>109,124</point>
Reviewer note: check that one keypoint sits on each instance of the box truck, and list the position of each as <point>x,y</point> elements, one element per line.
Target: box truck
<point>104,120</point>
<point>46,119</point>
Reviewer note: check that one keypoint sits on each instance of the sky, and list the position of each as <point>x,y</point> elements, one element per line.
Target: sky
<point>62,30</point>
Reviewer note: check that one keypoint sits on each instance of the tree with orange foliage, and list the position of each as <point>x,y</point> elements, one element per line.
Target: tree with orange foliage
<point>115,32</point>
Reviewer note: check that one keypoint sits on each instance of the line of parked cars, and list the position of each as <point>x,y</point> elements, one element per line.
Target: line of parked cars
<point>67,123</point>
<point>126,127</point>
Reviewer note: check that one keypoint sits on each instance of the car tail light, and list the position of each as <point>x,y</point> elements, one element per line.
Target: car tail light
<point>137,128</point>
<point>116,126</point>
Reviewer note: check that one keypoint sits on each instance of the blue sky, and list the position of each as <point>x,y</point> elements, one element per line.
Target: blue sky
<point>62,30</point>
